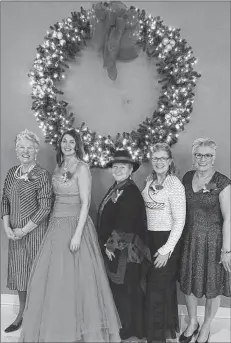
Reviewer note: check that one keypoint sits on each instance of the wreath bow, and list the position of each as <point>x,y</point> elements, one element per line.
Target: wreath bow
<point>115,33</point>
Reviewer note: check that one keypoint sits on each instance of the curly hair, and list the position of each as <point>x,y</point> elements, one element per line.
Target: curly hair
<point>28,135</point>
<point>203,142</point>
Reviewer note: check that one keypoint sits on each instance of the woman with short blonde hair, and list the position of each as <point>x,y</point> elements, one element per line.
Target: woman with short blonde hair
<point>26,204</point>
<point>205,260</point>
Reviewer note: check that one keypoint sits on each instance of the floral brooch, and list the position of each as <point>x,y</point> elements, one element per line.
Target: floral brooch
<point>116,195</point>
<point>31,177</point>
<point>67,176</point>
<point>208,187</point>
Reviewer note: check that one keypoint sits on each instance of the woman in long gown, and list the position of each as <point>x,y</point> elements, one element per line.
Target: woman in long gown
<point>69,297</point>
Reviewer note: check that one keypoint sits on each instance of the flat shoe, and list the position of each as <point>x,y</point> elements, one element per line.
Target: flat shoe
<point>13,327</point>
<point>187,339</point>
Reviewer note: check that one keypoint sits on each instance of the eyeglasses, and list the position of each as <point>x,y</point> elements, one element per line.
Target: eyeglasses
<point>206,156</point>
<point>161,159</point>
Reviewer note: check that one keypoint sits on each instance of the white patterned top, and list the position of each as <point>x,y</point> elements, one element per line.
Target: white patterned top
<point>166,210</point>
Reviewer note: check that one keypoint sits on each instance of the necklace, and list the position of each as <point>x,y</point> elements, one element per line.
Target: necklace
<point>157,186</point>
<point>65,168</point>
<point>18,174</point>
<point>200,181</point>
<point>67,175</point>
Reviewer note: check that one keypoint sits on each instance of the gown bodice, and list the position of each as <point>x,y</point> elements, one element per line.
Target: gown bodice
<point>67,197</point>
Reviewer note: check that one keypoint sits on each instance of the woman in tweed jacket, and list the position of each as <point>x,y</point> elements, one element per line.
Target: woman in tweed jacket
<point>165,203</point>
<point>26,204</point>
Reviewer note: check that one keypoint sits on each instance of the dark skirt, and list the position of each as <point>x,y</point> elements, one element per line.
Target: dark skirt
<point>129,300</point>
<point>200,272</point>
<point>161,308</point>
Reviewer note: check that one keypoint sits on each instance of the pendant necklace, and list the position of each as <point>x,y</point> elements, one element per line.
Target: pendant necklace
<point>67,175</point>
<point>200,183</point>
<point>158,186</point>
<point>18,174</point>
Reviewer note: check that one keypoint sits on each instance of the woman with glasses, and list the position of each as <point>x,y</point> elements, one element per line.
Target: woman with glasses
<point>206,255</point>
<point>164,197</point>
<point>26,204</point>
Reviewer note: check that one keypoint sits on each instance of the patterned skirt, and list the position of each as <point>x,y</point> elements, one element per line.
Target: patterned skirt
<point>21,255</point>
<point>200,272</point>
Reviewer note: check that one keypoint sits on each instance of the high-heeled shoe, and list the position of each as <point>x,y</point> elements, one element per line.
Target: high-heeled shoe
<point>187,339</point>
<point>206,339</point>
<point>13,327</point>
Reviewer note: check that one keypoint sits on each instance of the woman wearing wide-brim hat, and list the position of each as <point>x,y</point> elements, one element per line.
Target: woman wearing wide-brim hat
<point>122,230</point>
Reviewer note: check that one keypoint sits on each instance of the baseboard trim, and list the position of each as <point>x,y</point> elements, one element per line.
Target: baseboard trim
<point>9,299</point>
<point>222,313</point>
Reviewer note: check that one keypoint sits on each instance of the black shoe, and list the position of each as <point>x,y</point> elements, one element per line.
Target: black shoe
<point>187,339</point>
<point>206,339</point>
<point>13,327</point>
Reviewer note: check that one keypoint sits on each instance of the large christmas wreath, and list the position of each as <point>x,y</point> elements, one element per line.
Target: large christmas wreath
<point>120,30</point>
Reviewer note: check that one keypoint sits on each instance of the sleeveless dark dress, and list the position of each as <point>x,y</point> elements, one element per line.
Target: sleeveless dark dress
<point>200,272</point>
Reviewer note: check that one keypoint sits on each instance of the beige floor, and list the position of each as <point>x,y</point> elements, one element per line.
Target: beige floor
<point>220,333</point>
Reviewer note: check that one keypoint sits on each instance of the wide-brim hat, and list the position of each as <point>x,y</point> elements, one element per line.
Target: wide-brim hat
<point>123,156</point>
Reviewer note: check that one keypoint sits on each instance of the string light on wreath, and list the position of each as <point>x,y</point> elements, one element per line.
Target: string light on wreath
<point>175,67</point>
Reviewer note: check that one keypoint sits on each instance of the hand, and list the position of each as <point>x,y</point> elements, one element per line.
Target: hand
<point>18,233</point>
<point>161,260</point>
<point>149,178</point>
<point>75,243</point>
<point>9,232</point>
<point>110,254</point>
<point>226,261</point>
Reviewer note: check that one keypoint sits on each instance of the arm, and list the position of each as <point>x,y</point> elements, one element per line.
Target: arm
<point>84,182</point>
<point>5,205</point>
<point>44,200</point>
<point>224,198</point>
<point>6,221</point>
<point>9,232</point>
<point>178,209</point>
<point>5,210</point>
<point>44,197</point>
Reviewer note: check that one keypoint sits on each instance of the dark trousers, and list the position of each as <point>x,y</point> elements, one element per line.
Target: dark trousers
<point>161,308</point>
<point>129,300</point>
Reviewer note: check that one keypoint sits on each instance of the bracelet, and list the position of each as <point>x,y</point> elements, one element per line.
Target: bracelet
<point>24,233</point>
<point>225,251</point>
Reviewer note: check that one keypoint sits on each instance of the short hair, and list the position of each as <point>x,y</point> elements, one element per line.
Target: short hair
<point>31,136</point>
<point>203,142</point>
<point>79,148</point>
<point>164,147</point>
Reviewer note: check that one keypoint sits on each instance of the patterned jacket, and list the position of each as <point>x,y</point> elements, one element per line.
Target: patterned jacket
<point>27,200</point>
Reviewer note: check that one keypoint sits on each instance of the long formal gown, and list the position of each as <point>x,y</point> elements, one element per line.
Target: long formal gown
<point>69,297</point>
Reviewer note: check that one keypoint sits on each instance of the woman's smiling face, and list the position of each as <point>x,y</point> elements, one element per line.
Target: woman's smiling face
<point>121,171</point>
<point>68,145</point>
